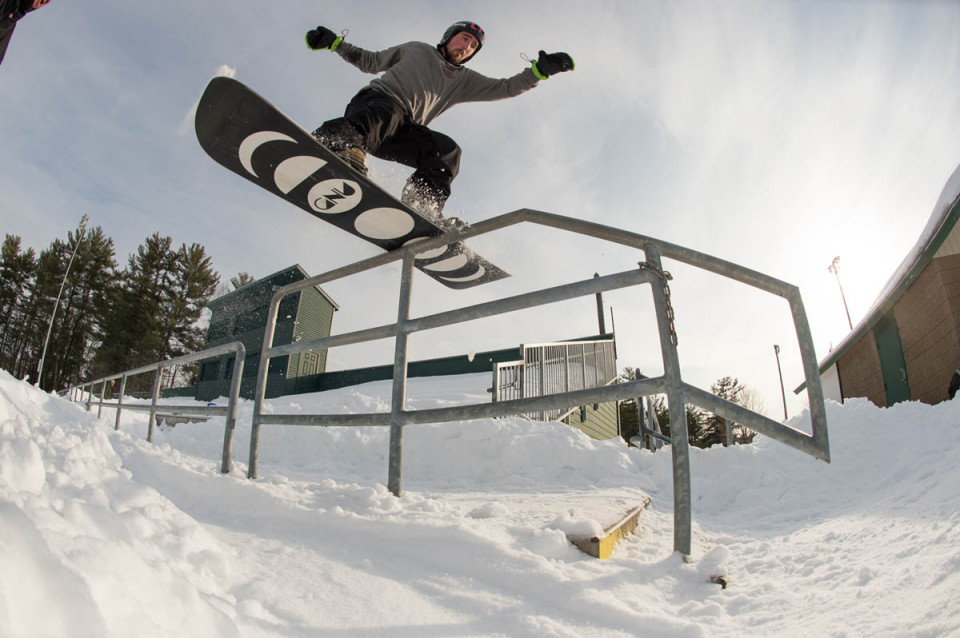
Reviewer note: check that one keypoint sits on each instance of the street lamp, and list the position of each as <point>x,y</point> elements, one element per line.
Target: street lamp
<point>833,268</point>
<point>53,315</point>
<point>776,350</point>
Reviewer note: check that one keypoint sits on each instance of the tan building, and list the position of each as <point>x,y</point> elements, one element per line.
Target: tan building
<point>908,345</point>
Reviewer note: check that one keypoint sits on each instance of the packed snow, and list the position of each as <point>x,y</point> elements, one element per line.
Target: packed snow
<point>105,534</point>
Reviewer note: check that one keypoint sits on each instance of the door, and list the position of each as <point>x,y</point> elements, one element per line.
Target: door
<point>892,362</point>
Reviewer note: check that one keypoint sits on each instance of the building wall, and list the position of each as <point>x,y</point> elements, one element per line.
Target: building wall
<point>928,320</point>
<point>314,321</point>
<point>830,383</point>
<point>600,422</point>
<point>242,316</point>
<point>927,316</point>
<point>860,372</point>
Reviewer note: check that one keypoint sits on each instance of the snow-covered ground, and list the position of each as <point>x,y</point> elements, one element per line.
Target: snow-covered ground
<point>104,534</point>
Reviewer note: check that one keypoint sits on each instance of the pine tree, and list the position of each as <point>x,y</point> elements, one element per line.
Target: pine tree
<point>17,272</point>
<point>145,314</point>
<point>705,429</point>
<point>71,325</point>
<point>695,418</point>
<point>153,313</point>
<point>195,284</point>
<point>73,337</point>
<point>131,332</point>
<point>37,311</point>
<point>715,427</point>
<point>241,280</point>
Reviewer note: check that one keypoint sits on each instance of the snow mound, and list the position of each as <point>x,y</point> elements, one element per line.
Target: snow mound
<point>105,534</point>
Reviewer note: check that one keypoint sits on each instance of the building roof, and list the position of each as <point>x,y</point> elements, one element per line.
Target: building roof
<point>296,267</point>
<point>941,226</point>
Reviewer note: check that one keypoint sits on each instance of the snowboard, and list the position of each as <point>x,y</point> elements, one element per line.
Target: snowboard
<point>248,135</point>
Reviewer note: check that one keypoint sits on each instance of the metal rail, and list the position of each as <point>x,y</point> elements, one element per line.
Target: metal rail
<point>650,435</point>
<point>650,272</point>
<point>229,411</point>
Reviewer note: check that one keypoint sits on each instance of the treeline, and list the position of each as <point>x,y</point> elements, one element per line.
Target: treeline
<point>705,429</point>
<point>108,320</point>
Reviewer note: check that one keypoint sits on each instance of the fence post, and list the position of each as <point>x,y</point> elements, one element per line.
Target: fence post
<point>103,392</point>
<point>227,461</point>
<point>153,408</point>
<point>123,388</point>
<point>261,391</point>
<point>399,398</point>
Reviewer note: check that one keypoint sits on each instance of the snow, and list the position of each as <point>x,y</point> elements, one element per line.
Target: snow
<point>105,534</point>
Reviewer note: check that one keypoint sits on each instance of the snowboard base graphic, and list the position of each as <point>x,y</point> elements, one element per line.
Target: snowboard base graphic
<point>251,137</point>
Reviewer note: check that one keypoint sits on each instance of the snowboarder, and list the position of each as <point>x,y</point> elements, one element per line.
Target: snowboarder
<point>12,11</point>
<point>389,117</point>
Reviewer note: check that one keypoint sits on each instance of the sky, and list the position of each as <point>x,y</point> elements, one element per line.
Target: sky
<point>105,534</point>
<point>777,135</point>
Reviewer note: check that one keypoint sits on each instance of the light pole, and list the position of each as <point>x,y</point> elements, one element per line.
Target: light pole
<point>53,315</point>
<point>776,350</point>
<point>833,268</point>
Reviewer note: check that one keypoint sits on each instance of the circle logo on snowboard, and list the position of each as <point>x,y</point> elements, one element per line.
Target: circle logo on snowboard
<point>334,196</point>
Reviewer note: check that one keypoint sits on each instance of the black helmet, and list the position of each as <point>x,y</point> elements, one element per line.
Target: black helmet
<point>470,27</point>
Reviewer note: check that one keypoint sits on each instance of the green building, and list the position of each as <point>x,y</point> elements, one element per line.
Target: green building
<point>241,315</point>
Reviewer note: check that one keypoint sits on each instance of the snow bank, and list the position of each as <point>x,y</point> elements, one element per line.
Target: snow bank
<point>86,550</point>
<point>104,534</point>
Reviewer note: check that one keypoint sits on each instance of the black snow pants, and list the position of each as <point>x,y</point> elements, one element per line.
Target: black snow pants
<point>5,33</point>
<point>378,124</point>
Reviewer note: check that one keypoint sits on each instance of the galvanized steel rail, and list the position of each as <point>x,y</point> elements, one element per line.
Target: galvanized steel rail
<point>229,411</point>
<point>650,272</point>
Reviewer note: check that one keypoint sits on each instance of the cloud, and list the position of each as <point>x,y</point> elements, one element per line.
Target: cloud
<point>776,135</point>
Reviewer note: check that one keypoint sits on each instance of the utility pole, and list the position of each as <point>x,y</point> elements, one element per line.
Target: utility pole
<point>776,350</point>
<point>833,268</point>
<point>603,327</point>
<point>53,315</point>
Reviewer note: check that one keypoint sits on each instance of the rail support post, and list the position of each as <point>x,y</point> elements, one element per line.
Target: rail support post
<point>399,395</point>
<point>680,444</point>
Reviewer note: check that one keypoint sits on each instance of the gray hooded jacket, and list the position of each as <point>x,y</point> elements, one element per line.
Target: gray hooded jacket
<point>418,76</point>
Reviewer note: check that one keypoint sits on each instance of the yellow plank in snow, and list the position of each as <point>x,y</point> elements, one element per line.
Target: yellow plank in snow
<point>602,546</point>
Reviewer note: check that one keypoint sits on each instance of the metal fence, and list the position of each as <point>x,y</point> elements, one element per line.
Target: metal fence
<point>650,272</point>
<point>553,368</point>
<point>559,384</point>
<point>86,393</point>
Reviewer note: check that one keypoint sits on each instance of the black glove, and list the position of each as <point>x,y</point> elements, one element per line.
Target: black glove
<point>550,63</point>
<point>321,38</point>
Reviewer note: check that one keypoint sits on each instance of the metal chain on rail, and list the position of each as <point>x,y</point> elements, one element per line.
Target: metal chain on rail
<point>665,277</point>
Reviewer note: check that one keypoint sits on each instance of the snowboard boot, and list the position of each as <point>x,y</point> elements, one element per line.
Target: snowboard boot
<point>428,201</point>
<point>355,158</point>
<point>343,141</point>
<point>453,223</point>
